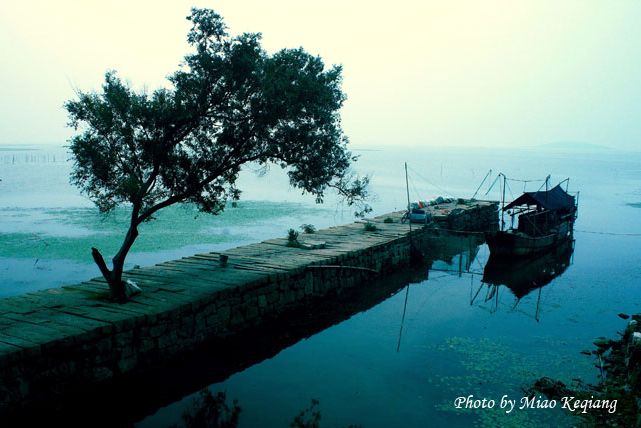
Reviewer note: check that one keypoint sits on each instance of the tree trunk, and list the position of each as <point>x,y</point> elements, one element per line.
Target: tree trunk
<point>114,276</point>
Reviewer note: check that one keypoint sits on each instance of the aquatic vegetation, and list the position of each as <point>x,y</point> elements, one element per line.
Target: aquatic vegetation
<point>613,401</point>
<point>68,233</point>
<point>490,368</point>
<point>308,228</point>
<point>292,238</point>
<point>370,227</point>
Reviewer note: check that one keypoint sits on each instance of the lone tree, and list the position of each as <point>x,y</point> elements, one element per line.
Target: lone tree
<point>229,104</point>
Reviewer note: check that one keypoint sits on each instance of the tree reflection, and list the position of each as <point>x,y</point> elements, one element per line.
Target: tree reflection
<point>212,411</point>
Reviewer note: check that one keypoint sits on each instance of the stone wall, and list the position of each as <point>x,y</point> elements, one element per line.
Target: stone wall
<point>142,342</point>
<point>477,218</point>
<point>147,340</point>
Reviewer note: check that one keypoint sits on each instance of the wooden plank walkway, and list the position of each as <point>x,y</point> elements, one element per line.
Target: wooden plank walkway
<point>32,322</point>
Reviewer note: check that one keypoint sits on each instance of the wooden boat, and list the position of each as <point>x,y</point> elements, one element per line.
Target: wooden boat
<point>544,220</point>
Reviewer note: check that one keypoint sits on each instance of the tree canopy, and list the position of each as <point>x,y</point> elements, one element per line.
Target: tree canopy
<point>230,103</point>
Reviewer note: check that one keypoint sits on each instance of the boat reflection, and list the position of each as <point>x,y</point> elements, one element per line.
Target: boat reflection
<point>137,397</point>
<point>523,276</point>
<point>454,252</point>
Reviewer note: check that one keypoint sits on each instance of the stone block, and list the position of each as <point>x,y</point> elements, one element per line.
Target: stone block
<point>262,301</point>
<point>224,313</point>
<point>158,330</point>
<point>167,340</point>
<point>251,312</point>
<point>146,344</point>
<point>127,364</point>
<point>101,373</point>
<point>272,297</point>
<point>237,317</point>
<point>124,339</point>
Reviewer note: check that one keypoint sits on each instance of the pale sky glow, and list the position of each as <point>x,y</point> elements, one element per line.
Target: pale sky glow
<point>473,73</point>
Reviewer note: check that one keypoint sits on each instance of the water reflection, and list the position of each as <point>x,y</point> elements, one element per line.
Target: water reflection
<point>175,384</point>
<point>139,397</point>
<point>451,249</point>
<point>523,276</point>
<point>265,342</point>
<point>210,411</point>
<point>456,251</point>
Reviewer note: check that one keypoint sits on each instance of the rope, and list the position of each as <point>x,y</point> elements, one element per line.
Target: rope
<point>510,189</point>
<point>415,189</point>
<point>522,181</point>
<point>607,233</point>
<point>471,232</point>
<point>435,185</point>
<point>341,267</point>
<point>472,272</point>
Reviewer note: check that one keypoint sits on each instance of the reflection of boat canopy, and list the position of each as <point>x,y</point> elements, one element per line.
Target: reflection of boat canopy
<point>526,275</point>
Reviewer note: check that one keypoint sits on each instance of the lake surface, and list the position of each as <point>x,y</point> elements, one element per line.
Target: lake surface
<point>455,340</point>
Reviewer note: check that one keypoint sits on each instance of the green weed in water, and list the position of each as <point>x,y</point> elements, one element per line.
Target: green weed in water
<point>70,233</point>
<point>490,368</point>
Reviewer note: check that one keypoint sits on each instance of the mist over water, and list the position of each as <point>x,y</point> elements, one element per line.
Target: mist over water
<point>452,345</point>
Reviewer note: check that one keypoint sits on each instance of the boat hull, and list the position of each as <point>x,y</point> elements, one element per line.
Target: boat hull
<point>516,244</point>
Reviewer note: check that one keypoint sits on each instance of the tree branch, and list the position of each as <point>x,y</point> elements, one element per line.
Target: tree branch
<point>100,261</point>
<point>181,196</point>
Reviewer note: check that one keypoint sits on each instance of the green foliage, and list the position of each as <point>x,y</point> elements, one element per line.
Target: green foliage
<point>388,220</point>
<point>211,411</point>
<point>308,418</point>
<point>292,238</point>
<point>308,228</point>
<point>370,227</point>
<point>230,103</point>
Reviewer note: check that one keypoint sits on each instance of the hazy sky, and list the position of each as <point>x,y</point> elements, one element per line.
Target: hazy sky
<point>415,72</point>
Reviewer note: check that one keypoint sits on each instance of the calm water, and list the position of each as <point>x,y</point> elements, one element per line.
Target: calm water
<point>452,344</point>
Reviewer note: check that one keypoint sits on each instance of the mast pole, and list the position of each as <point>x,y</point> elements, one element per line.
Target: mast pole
<point>409,209</point>
<point>503,203</point>
<point>407,290</point>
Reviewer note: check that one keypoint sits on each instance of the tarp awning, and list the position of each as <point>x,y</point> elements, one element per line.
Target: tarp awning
<point>554,199</point>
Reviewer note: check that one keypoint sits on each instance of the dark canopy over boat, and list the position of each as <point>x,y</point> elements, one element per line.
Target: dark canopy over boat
<point>555,199</point>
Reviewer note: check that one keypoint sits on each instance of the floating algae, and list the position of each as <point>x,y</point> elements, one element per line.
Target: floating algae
<point>492,368</point>
<point>69,233</point>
